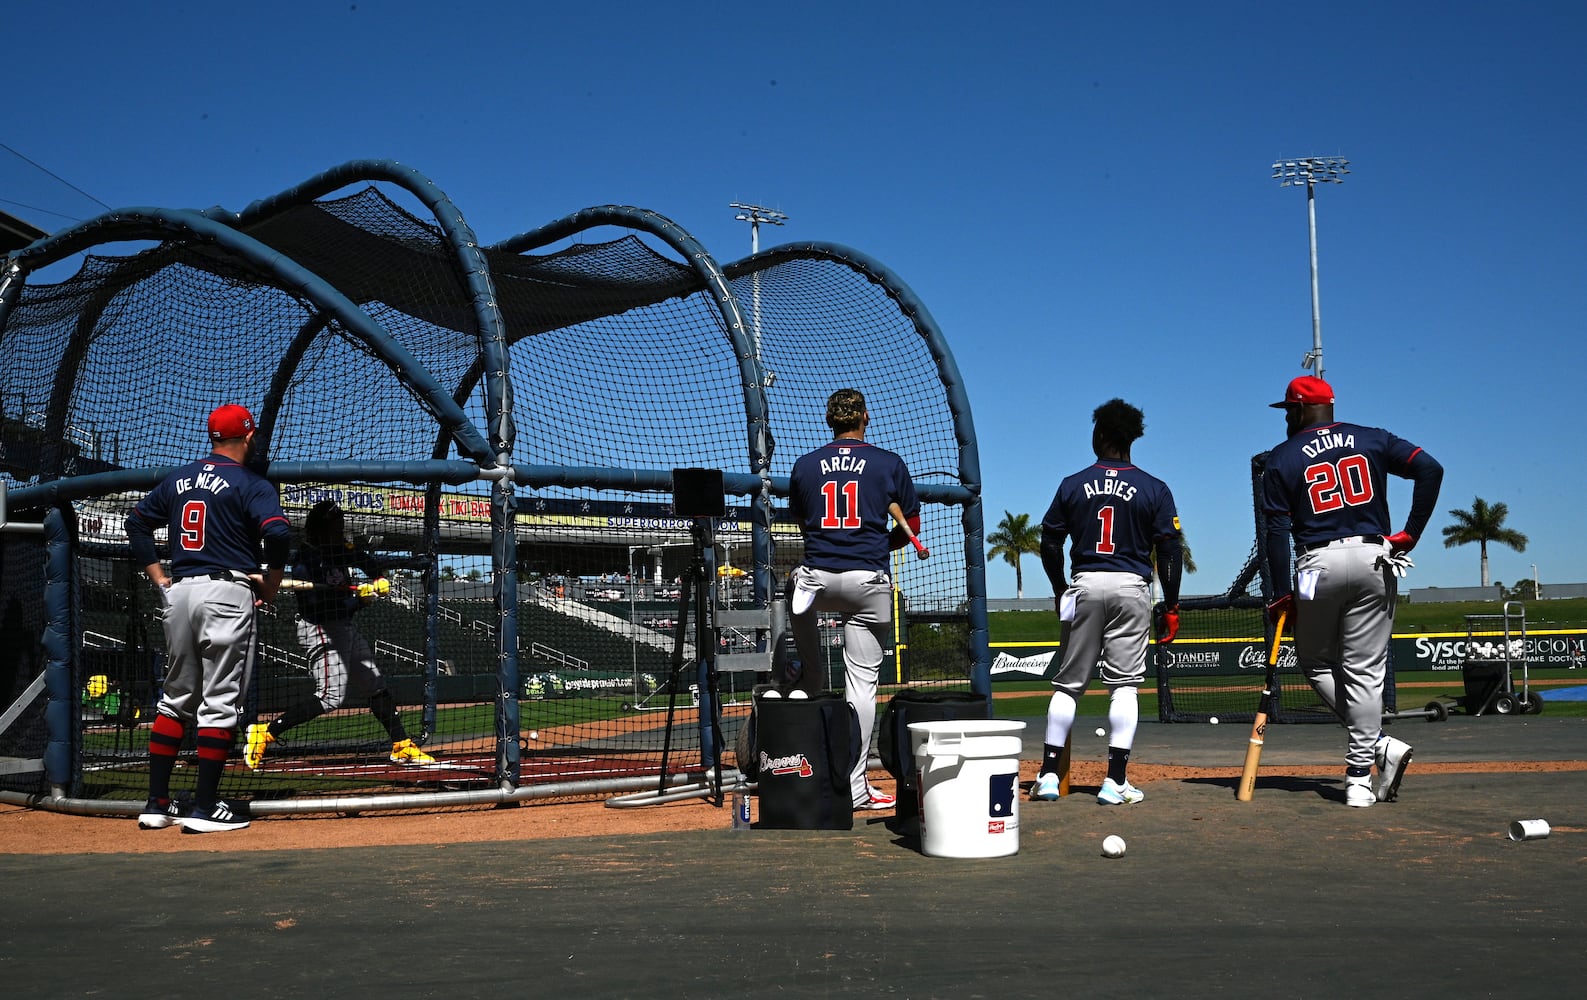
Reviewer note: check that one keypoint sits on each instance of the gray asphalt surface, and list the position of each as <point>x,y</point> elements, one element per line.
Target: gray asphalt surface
<point>1292,894</point>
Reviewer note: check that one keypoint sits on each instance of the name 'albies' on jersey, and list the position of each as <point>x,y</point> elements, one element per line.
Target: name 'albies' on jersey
<point>1114,514</point>
<point>1332,481</point>
<point>839,495</point>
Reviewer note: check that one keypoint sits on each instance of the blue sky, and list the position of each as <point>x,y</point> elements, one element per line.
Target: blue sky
<point>1081,193</point>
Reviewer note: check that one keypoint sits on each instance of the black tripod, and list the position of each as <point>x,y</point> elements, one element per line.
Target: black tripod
<point>699,586</point>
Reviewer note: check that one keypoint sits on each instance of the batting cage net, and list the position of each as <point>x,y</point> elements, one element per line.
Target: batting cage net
<point>1215,667</point>
<point>500,427</point>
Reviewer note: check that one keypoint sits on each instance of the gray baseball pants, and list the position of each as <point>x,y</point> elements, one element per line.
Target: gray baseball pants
<point>863,598</point>
<point>1344,613</point>
<point>210,640</point>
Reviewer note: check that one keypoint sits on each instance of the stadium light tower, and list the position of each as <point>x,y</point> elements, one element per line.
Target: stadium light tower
<point>755,215</point>
<point>1311,171</point>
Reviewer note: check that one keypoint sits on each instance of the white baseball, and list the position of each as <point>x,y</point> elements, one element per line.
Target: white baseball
<point>1113,846</point>
<point>1101,731</point>
<point>1213,720</point>
<point>534,734</point>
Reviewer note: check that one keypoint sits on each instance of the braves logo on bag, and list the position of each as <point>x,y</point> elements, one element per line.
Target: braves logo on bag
<point>792,764</point>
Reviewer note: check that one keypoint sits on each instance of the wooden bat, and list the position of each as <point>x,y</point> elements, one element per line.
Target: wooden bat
<point>898,515</point>
<point>1253,752</point>
<point>1063,769</point>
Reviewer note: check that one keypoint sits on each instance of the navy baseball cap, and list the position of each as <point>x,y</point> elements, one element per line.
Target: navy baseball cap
<point>1306,389</point>
<point>230,421</point>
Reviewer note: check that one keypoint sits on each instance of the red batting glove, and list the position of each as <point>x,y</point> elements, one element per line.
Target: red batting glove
<point>1282,606</point>
<point>1400,542</point>
<point>1167,623</point>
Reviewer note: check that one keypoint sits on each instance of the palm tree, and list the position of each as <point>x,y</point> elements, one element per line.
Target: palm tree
<point>1015,536</point>
<point>1483,524</point>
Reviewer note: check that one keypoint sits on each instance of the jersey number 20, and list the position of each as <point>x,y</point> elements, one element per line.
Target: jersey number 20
<point>850,518</point>
<point>1332,485</point>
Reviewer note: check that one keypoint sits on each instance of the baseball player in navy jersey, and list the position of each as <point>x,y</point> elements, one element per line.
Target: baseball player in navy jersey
<point>222,517</point>
<point>1325,491</point>
<point>1115,515</point>
<point>839,495</point>
<point>336,651</point>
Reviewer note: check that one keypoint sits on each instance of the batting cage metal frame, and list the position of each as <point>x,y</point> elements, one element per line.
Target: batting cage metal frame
<point>1214,668</point>
<point>500,425</point>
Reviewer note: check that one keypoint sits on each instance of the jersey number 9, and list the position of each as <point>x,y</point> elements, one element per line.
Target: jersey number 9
<point>193,514</point>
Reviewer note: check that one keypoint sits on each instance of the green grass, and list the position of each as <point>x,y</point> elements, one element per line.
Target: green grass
<point>1028,699</point>
<point>1042,626</point>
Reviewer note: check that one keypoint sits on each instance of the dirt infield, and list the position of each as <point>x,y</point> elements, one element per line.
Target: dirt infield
<point>36,831</point>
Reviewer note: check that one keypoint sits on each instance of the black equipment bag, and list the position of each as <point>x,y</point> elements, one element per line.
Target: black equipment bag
<point>921,704</point>
<point>804,749</point>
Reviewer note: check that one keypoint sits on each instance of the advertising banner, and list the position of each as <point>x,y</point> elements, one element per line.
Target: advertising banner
<point>1433,651</point>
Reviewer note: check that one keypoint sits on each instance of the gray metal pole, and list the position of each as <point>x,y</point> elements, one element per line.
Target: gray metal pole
<point>1316,305</point>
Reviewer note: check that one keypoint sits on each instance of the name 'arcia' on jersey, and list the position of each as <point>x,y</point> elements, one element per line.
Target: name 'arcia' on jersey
<point>843,463</point>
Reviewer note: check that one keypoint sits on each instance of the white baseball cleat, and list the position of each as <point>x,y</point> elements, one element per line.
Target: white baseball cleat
<point>1358,792</point>
<point>1393,757</point>
<point>1045,788</point>
<point>1115,794</point>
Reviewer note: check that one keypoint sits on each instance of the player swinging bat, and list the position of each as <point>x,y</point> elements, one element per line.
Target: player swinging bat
<point>1253,752</point>
<point>898,515</point>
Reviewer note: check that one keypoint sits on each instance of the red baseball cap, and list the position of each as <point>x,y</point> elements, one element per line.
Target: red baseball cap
<point>230,421</point>
<point>1306,389</point>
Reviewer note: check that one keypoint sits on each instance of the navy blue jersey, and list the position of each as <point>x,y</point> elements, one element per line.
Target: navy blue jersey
<point>1331,481</point>
<point>1115,514</point>
<point>222,516</point>
<point>839,496</point>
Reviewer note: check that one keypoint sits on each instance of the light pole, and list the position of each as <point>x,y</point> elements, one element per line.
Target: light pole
<point>755,215</point>
<point>1311,171</point>
<point>1537,588</point>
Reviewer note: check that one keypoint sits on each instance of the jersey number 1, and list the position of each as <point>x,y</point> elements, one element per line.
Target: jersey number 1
<point>1105,541</point>
<point>851,504</point>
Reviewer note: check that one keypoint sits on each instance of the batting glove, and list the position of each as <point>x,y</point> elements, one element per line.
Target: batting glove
<point>374,588</point>
<point>1400,542</point>
<point>1167,622</point>
<point>1282,606</point>
<point>1399,562</point>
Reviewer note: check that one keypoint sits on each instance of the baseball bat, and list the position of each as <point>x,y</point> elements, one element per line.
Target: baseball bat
<point>378,586</point>
<point>1253,752</point>
<point>898,515</point>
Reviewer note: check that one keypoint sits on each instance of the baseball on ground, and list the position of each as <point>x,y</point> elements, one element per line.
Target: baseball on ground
<point>1113,846</point>
<point>1101,731</point>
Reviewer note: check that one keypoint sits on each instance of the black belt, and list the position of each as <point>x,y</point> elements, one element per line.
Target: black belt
<point>1365,539</point>
<point>228,575</point>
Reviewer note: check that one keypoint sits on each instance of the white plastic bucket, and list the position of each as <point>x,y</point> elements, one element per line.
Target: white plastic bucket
<point>968,784</point>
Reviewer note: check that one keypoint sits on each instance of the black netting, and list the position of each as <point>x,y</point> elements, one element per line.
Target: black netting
<point>619,366</point>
